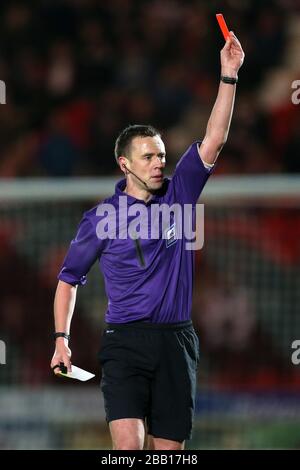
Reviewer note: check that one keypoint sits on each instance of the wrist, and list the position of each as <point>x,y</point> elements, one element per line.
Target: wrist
<point>61,336</point>
<point>228,80</point>
<point>229,72</point>
<point>61,340</point>
<point>61,344</point>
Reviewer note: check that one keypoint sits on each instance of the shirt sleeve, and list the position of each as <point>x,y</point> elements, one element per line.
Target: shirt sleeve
<point>83,251</point>
<point>190,176</point>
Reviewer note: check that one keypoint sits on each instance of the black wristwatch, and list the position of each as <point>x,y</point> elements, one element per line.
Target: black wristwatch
<point>229,80</point>
<point>61,334</point>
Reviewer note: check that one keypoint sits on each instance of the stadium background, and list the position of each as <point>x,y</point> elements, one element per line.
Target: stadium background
<point>76,73</point>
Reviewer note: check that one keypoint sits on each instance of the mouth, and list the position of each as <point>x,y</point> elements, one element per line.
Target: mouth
<point>158,177</point>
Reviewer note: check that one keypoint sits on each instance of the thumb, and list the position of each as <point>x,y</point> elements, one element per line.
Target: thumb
<point>228,42</point>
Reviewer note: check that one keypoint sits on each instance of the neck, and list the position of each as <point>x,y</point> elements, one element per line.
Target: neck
<point>137,193</point>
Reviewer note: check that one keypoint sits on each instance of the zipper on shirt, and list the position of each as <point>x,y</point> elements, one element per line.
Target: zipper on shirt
<point>139,252</point>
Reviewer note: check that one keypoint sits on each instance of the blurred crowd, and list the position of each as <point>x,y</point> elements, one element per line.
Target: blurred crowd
<point>26,304</point>
<point>78,71</point>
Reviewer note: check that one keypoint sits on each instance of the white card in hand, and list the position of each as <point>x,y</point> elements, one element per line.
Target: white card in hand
<point>78,373</point>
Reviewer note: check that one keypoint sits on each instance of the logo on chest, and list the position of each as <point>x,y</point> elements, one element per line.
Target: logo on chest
<point>170,235</point>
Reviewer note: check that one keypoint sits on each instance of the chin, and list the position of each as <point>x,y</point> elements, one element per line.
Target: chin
<point>156,185</point>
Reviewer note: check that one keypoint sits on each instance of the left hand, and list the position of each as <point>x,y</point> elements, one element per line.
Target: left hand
<point>232,56</point>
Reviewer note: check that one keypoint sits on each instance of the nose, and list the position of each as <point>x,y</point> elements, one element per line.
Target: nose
<point>160,162</point>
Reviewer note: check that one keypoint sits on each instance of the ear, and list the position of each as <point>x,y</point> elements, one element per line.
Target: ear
<point>122,163</point>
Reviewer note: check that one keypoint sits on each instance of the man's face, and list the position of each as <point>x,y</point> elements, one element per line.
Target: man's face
<point>147,160</point>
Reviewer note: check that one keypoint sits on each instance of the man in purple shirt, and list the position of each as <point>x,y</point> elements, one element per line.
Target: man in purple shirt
<point>149,350</point>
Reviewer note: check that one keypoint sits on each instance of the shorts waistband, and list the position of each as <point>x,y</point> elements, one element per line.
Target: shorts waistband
<point>151,326</point>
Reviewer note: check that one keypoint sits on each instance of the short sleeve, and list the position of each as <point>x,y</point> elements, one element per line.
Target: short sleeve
<point>190,176</point>
<point>83,251</point>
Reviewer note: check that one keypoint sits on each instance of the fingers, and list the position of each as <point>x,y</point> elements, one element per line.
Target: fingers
<point>56,369</point>
<point>232,35</point>
<point>234,40</point>
<point>61,364</point>
<point>233,45</point>
<point>69,366</point>
<point>62,367</point>
<point>61,360</point>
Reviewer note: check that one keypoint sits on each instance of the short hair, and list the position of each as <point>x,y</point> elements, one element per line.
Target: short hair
<point>124,140</point>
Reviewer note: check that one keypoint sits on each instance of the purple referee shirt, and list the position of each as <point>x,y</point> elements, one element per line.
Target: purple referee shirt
<point>160,291</point>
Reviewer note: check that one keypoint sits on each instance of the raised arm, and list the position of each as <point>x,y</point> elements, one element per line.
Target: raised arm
<point>232,58</point>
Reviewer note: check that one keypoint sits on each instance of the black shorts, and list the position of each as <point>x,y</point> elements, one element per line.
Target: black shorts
<point>149,372</point>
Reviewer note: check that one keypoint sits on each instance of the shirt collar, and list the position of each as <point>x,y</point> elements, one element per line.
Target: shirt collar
<point>120,186</point>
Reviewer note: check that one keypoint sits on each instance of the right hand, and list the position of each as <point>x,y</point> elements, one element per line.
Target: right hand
<point>63,354</point>
<point>232,56</point>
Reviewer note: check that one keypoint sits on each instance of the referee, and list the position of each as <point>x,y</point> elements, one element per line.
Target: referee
<point>149,349</point>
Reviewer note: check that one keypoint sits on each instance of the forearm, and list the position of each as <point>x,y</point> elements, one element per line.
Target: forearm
<point>219,121</point>
<point>232,57</point>
<point>64,304</point>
